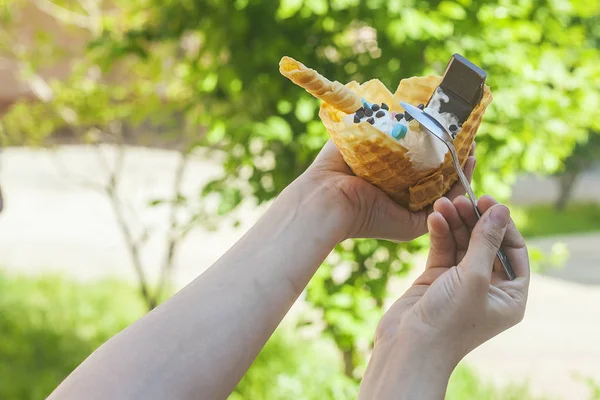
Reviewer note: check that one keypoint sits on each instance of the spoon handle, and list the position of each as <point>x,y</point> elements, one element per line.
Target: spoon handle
<point>465,182</point>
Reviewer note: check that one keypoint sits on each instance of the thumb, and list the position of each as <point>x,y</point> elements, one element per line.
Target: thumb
<point>486,239</point>
<point>330,159</point>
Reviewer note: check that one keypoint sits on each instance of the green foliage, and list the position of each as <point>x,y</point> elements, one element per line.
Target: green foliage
<point>595,389</point>
<point>350,288</point>
<point>591,383</point>
<point>204,72</point>
<point>544,220</point>
<point>540,57</point>
<point>465,384</point>
<point>50,325</point>
<point>291,367</point>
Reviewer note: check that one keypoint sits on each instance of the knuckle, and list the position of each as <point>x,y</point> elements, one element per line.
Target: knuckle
<point>491,239</point>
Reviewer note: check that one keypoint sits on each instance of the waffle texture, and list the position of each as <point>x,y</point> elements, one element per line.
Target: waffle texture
<point>379,158</point>
<point>334,93</point>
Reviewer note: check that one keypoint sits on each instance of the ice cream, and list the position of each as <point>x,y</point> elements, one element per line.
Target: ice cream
<point>424,150</point>
<point>448,120</point>
<point>380,117</point>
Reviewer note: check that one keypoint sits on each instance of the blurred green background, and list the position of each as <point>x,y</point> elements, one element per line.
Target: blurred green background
<point>199,78</point>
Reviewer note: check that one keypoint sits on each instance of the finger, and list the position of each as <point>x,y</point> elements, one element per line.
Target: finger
<point>465,209</point>
<point>513,240</point>
<point>457,189</point>
<point>460,231</point>
<point>513,244</point>
<point>442,252</point>
<point>513,236</point>
<point>470,167</point>
<point>472,152</point>
<point>330,158</point>
<point>429,276</point>
<point>486,239</point>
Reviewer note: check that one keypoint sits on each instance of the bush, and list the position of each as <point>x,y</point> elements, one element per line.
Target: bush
<point>465,384</point>
<point>48,325</point>
<point>290,367</point>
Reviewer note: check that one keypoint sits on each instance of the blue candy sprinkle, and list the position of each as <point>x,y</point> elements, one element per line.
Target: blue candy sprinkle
<point>365,103</point>
<point>399,131</point>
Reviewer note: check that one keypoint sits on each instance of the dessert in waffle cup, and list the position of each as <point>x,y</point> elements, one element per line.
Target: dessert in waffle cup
<point>408,174</point>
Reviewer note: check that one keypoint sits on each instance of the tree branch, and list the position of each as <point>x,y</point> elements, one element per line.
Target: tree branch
<point>134,250</point>
<point>173,241</point>
<point>64,15</point>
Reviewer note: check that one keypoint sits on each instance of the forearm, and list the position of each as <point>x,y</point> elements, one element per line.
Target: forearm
<point>411,368</point>
<point>200,342</point>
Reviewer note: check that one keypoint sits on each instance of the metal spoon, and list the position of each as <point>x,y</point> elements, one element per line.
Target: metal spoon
<point>438,131</point>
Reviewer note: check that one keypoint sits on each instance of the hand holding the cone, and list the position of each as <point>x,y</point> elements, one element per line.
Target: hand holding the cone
<point>366,210</point>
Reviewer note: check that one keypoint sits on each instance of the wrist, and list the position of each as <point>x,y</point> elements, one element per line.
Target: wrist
<point>417,339</point>
<point>317,202</point>
<point>408,367</point>
<point>418,344</point>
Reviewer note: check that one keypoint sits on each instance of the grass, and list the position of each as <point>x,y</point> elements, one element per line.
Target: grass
<point>543,220</point>
<point>49,325</point>
<point>465,384</point>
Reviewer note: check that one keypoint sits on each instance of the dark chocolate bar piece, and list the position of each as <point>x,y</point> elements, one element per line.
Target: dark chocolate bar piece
<point>463,83</point>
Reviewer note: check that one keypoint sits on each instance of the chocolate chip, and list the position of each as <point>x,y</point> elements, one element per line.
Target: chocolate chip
<point>407,117</point>
<point>356,119</point>
<point>368,112</point>
<point>361,113</point>
<point>371,121</point>
<point>359,110</point>
<point>380,114</point>
<point>375,107</point>
<point>385,106</point>
<point>399,116</point>
<point>453,128</point>
<point>421,106</point>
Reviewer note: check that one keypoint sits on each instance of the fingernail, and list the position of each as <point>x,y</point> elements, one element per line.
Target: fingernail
<point>499,215</point>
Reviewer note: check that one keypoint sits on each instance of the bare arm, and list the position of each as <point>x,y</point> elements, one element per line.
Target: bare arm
<point>200,343</point>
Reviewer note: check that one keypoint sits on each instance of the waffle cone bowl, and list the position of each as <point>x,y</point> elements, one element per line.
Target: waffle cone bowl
<point>375,156</point>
